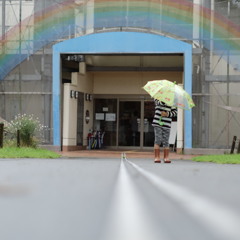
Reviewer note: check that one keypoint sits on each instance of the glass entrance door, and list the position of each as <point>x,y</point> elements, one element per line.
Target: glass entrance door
<point>126,123</point>
<point>148,135</point>
<point>105,120</point>
<point>129,123</point>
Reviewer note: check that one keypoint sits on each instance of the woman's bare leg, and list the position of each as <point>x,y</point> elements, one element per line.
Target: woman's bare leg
<point>157,153</point>
<point>166,155</point>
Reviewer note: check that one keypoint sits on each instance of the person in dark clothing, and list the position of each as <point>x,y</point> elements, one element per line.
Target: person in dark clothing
<point>162,125</point>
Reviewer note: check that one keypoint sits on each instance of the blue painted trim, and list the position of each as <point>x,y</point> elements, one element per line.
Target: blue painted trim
<point>188,88</point>
<point>120,43</point>
<point>56,99</point>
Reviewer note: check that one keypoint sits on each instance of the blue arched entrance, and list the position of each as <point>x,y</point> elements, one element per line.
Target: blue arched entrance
<point>120,43</point>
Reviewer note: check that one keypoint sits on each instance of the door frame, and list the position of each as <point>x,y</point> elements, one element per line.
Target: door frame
<point>134,43</point>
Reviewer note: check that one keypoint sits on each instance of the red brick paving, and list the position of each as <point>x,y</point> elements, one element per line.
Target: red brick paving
<point>117,154</point>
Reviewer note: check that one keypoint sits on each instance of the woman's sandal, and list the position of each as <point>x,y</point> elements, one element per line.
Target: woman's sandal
<point>157,161</point>
<point>167,161</point>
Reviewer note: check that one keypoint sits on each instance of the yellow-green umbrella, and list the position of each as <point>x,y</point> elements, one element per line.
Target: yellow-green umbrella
<point>170,93</point>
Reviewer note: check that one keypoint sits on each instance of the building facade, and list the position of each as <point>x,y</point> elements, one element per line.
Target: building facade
<point>79,66</point>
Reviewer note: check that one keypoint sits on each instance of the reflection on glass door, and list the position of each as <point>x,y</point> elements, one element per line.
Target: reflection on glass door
<point>148,137</point>
<point>105,120</point>
<point>129,123</point>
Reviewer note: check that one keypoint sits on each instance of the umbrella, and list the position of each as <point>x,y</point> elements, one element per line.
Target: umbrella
<point>170,93</point>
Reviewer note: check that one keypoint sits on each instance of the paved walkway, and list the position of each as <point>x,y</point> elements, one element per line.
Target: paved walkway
<point>117,154</point>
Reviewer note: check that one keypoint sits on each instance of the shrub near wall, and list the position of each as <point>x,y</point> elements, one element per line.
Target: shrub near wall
<point>30,130</point>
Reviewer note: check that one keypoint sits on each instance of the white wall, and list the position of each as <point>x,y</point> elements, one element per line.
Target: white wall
<point>128,82</point>
<point>69,116</point>
<point>81,83</point>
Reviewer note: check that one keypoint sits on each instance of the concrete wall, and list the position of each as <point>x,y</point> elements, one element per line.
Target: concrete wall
<point>219,67</point>
<point>225,111</point>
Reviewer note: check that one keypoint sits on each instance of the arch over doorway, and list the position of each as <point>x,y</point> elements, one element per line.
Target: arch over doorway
<point>117,43</point>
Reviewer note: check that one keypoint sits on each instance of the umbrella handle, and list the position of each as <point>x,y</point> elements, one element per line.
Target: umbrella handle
<point>160,121</point>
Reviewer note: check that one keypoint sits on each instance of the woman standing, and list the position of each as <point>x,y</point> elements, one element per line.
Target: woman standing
<point>162,125</point>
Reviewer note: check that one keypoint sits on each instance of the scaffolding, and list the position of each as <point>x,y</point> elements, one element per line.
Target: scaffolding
<point>29,29</point>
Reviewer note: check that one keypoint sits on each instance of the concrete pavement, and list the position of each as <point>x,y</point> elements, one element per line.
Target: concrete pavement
<point>135,199</point>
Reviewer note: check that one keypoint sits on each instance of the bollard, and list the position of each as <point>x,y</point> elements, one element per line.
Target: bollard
<point>233,144</point>
<point>18,138</point>
<point>1,134</point>
<point>238,149</point>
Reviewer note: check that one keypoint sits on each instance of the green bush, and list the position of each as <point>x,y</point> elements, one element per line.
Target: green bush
<point>30,130</point>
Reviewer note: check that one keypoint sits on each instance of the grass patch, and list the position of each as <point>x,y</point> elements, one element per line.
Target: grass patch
<point>222,159</point>
<point>26,152</point>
